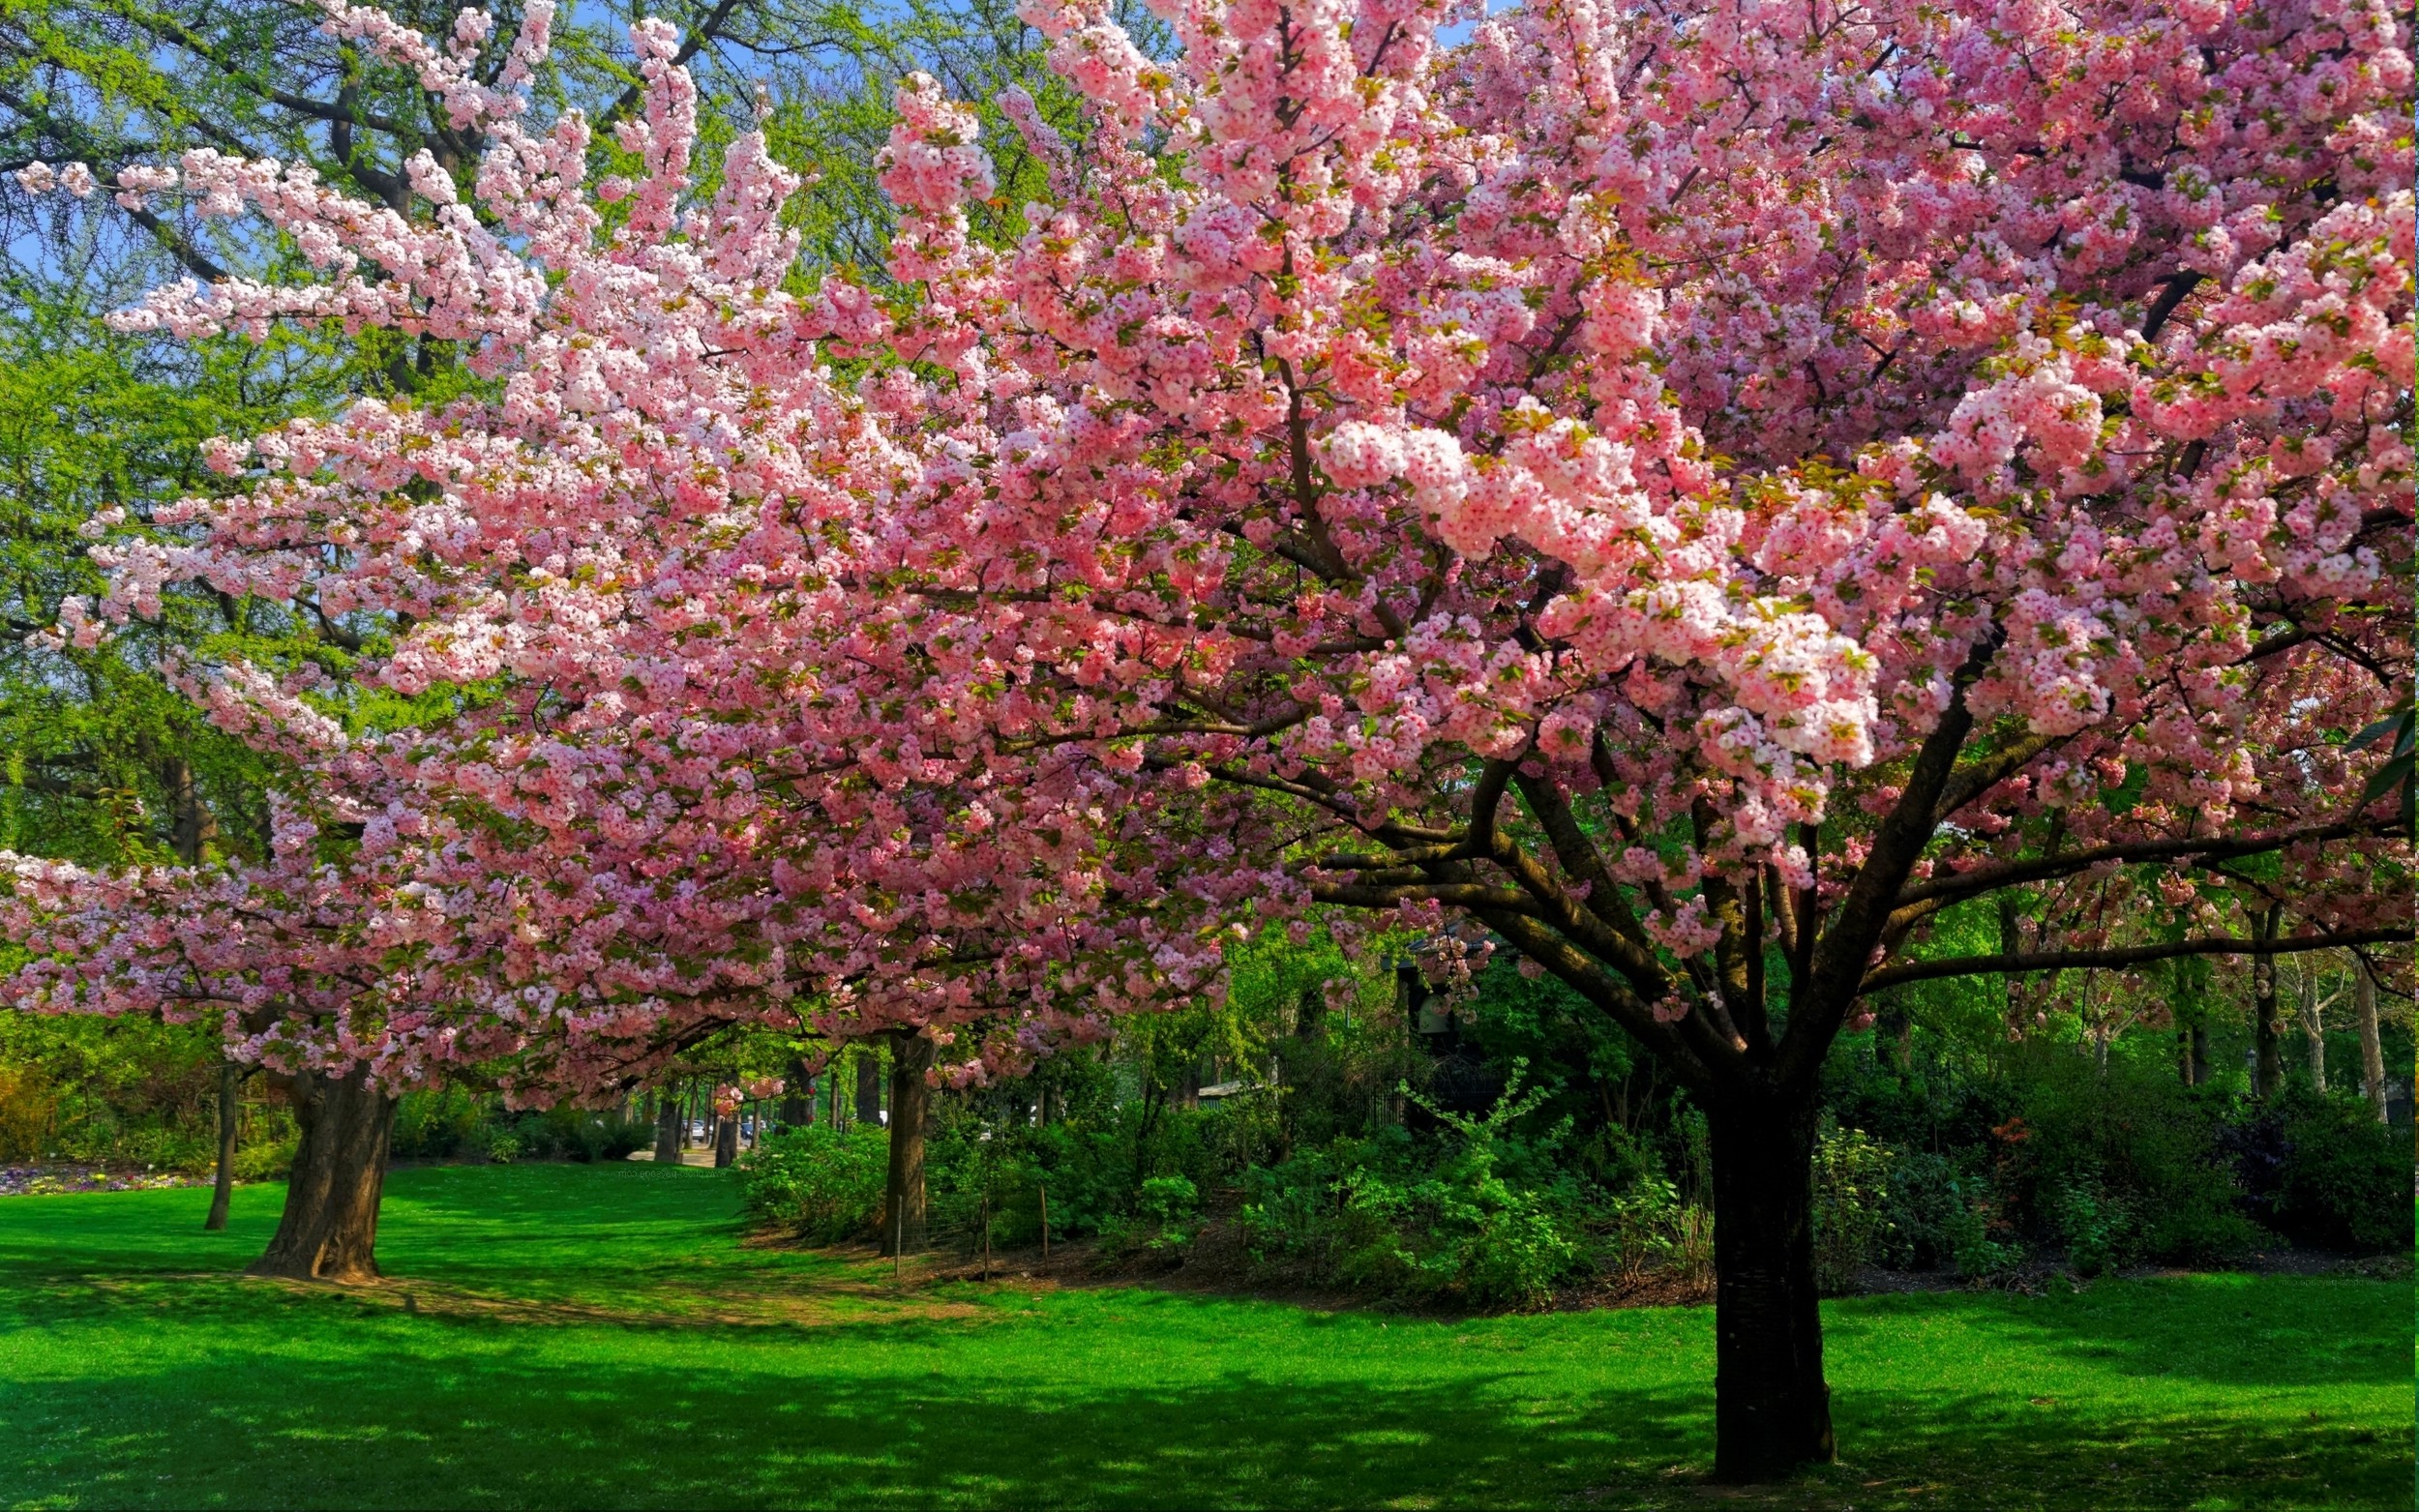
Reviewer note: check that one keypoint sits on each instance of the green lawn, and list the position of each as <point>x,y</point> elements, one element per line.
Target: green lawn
<point>599,1337</point>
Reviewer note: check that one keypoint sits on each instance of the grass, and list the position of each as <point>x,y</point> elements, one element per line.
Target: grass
<point>584,1336</point>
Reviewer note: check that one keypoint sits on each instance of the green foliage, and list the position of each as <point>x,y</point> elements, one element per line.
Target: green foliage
<point>2122,1157</point>
<point>1851,1203</point>
<point>1166,1220</point>
<point>2098,1228</point>
<point>2346,1179</point>
<point>1479,1218</point>
<point>820,1184</point>
<point>457,1123</point>
<point>125,1092</point>
<point>1647,1228</point>
<point>438,1123</point>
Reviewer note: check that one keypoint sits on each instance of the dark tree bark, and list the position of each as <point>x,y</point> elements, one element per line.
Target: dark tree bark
<point>668,1124</point>
<point>330,1227</point>
<point>1771,1406</point>
<point>797,1102</point>
<point>904,1219</point>
<point>727,1142</point>
<point>222,1190</point>
<point>868,1086</point>
<point>2267,1070</point>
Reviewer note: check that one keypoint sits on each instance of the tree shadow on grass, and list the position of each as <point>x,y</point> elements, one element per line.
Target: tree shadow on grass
<point>2226,1329</point>
<point>505,1430</point>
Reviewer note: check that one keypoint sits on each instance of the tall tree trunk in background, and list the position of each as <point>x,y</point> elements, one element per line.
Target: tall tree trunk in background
<point>1771,1406</point>
<point>2011,942</point>
<point>668,1129</point>
<point>2267,1067</point>
<point>727,1142</point>
<point>797,1101</point>
<point>190,831</point>
<point>868,1086</point>
<point>223,1191</point>
<point>904,1219</point>
<point>2201,1054</point>
<point>330,1226</point>
<point>2371,1053</point>
<point>2313,1031</point>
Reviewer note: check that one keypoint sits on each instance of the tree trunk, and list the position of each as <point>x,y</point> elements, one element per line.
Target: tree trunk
<point>798,1100</point>
<point>330,1227</point>
<point>2011,942</point>
<point>727,1142</point>
<point>1772,1407</point>
<point>2312,1030</point>
<point>869,1086</point>
<point>2371,1053</point>
<point>2201,1054</point>
<point>903,1213</point>
<point>223,1191</point>
<point>2267,1070</point>
<point>667,1124</point>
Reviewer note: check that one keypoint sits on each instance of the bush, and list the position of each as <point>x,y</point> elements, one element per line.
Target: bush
<point>1372,1213</point>
<point>2131,1145</point>
<point>1936,1216</point>
<point>1851,1203</point>
<point>439,1124</point>
<point>268,1161</point>
<point>827,1186</point>
<point>454,1123</point>
<point>2098,1228</point>
<point>2336,1178</point>
<point>27,1106</point>
<point>1647,1228</point>
<point>1166,1219</point>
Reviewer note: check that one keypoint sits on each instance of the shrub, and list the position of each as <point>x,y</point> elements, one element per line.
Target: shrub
<point>1166,1219</point>
<point>1851,1203</point>
<point>438,1124</point>
<point>1648,1229</point>
<point>1372,1213</point>
<point>27,1108</point>
<point>2129,1142</point>
<point>2097,1226</point>
<point>268,1161</point>
<point>2340,1180</point>
<point>1937,1216</point>
<point>827,1186</point>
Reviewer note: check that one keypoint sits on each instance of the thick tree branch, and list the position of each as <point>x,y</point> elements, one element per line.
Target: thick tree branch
<point>1954,886</point>
<point>1836,961</point>
<point>2123,956</point>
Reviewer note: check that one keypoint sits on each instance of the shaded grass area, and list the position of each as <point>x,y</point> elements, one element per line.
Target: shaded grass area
<point>600,1336</point>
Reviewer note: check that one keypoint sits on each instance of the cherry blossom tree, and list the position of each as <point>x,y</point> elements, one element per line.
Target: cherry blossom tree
<point>1693,493</point>
<point>666,794</point>
<point>1697,491</point>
